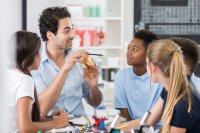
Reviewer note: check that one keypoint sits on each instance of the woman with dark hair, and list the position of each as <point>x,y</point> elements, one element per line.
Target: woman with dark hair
<point>22,104</point>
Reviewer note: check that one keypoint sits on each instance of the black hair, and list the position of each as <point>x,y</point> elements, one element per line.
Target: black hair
<point>27,47</point>
<point>146,36</point>
<point>49,20</point>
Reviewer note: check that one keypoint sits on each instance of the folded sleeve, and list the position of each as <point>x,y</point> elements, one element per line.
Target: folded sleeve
<point>85,91</point>
<point>39,81</point>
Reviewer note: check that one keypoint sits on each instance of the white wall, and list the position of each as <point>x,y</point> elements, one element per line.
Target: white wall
<point>35,8</point>
<point>10,14</point>
<point>11,21</point>
<point>128,20</point>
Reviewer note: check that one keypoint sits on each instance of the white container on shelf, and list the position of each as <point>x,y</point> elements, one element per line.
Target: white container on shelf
<point>109,16</point>
<point>75,10</point>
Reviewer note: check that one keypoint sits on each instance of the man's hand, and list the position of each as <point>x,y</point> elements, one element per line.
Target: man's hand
<point>91,82</point>
<point>73,58</point>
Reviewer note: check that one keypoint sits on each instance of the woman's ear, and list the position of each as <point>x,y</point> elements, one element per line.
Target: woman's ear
<point>153,67</point>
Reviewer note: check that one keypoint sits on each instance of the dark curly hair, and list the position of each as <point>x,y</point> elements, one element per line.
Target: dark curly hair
<point>146,36</point>
<point>49,19</point>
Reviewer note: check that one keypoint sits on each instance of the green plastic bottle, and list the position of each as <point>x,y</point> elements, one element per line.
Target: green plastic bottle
<point>39,131</point>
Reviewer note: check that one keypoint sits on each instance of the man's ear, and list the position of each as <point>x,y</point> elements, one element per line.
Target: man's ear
<point>50,35</point>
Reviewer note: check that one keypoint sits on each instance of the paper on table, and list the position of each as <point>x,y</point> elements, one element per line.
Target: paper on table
<point>81,121</point>
<point>62,130</point>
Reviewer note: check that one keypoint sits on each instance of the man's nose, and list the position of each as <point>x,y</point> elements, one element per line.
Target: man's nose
<point>72,33</point>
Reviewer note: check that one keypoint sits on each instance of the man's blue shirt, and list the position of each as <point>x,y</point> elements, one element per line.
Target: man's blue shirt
<point>74,88</point>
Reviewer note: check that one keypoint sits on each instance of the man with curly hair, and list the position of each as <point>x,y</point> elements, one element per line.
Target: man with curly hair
<point>61,81</point>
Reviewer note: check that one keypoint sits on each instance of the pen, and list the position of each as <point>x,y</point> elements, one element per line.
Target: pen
<point>145,118</point>
<point>73,116</point>
<point>69,116</point>
<point>95,54</point>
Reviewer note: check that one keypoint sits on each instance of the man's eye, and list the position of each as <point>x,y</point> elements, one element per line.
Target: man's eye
<point>67,31</point>
<point>135,50</point>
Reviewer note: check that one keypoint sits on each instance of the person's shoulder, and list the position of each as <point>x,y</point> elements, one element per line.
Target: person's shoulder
<point>124,71</point>
<point>182,104</point>
<point>17,76</point>
<point>15,79</point>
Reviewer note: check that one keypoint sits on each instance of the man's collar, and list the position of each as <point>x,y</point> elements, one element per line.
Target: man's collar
<point>44,53</point>
<point>45,56</point>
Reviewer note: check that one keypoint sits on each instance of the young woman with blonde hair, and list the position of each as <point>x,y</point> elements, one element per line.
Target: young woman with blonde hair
<point>179,102</point>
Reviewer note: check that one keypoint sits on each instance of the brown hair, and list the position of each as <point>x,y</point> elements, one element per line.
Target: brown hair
<point>27,47</point>
<point>190,52</point>
<point>168,57</point>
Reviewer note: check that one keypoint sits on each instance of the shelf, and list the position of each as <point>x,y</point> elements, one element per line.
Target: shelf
<point>97,19</point>
<point>110,67</point>
<point>99,47</point>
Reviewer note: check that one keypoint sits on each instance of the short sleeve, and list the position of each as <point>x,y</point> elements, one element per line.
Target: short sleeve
<point>119,95</point>
<point>39,81</point>
<point>163,94</point>
<point>25,88</point>
<point>181,118</point>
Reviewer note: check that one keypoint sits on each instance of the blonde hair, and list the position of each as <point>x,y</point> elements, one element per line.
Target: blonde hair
<point>168,57</point>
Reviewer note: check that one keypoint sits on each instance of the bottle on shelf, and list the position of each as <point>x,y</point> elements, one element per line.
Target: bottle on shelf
<point>98,11</point>
<point>100,36</point>
<point>80,32</point>
<point>86,11</point>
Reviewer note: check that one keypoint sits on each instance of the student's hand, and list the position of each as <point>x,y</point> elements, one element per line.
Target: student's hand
<point>61,120</point>
<point>91,82</point>
<point>74,57</point>
<point>125,126</point>
<point>56,113</point>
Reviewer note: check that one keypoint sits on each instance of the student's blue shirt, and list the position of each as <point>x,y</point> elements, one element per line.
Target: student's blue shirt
<point>134,93</point>
<point>182,119</point>
<point>196,82</point>
<point>74,88</point>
